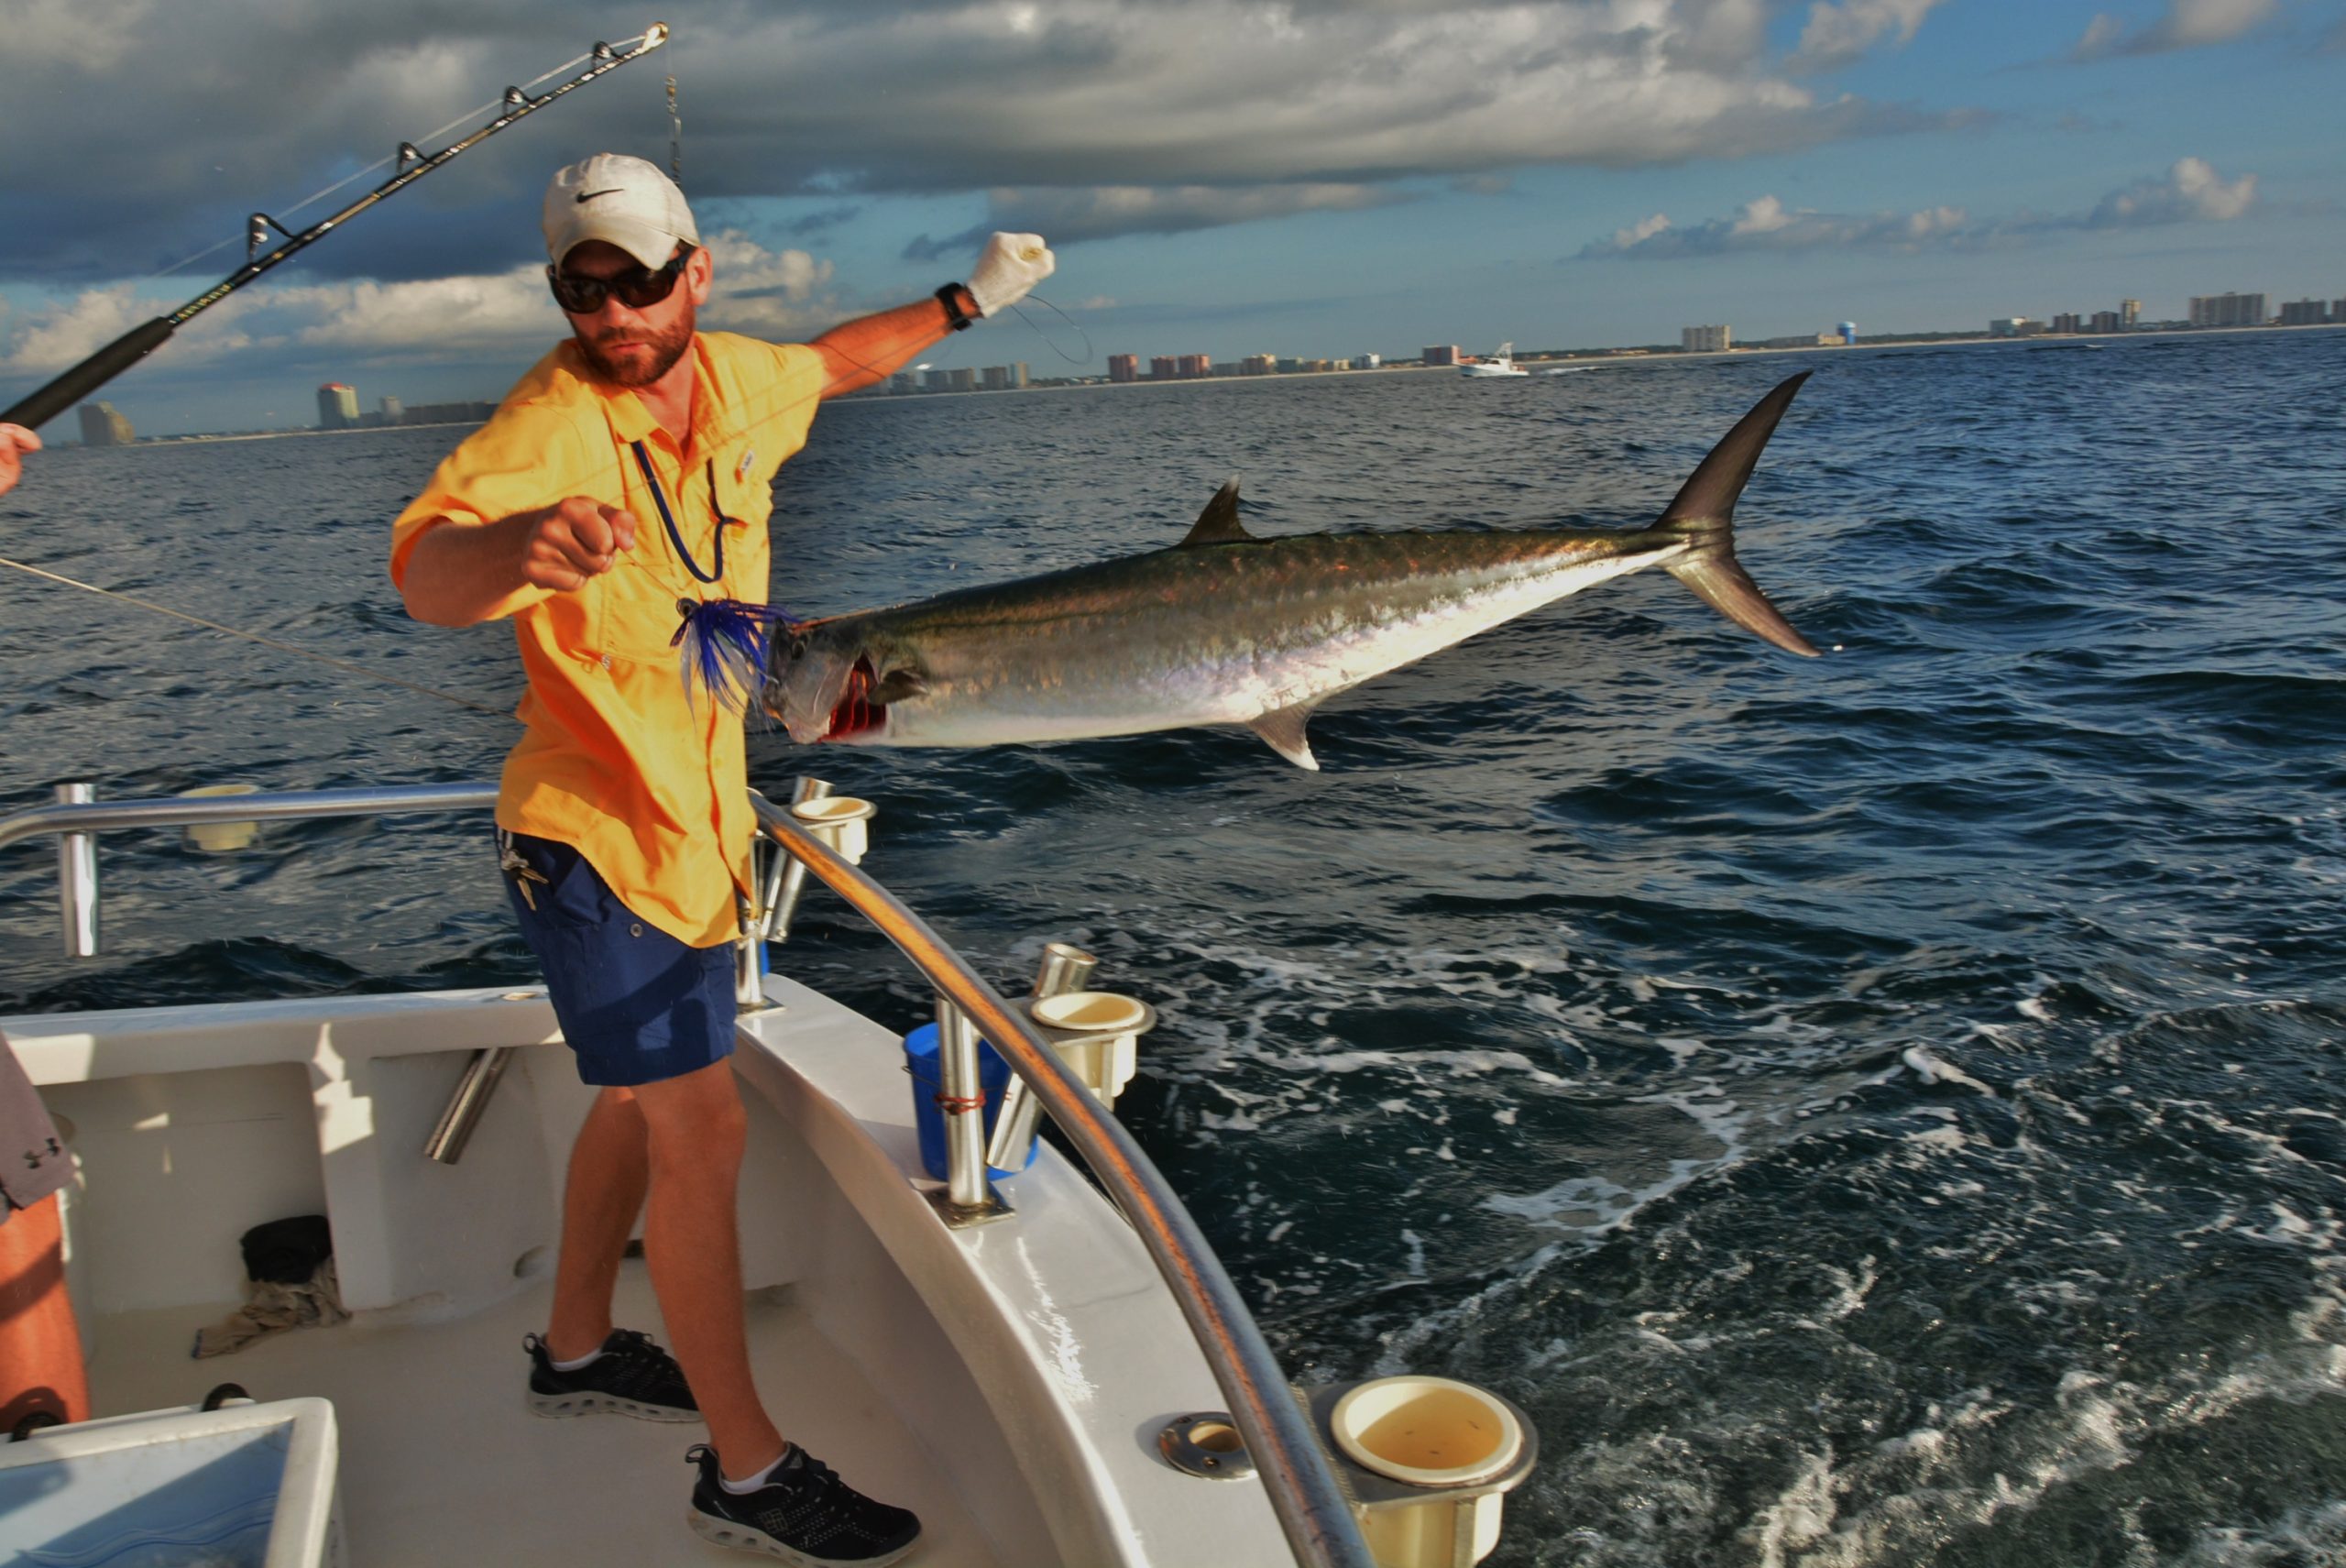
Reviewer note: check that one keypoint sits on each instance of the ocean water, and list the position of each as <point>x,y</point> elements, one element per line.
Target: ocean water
<point>1877,1110</point>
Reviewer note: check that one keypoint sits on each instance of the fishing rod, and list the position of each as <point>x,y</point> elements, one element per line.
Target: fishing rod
<point>411,165</point>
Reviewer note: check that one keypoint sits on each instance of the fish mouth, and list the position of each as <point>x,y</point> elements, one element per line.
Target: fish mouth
<point>856,713</point>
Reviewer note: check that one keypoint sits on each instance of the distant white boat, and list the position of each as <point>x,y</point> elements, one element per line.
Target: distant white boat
<point>1500,364</point>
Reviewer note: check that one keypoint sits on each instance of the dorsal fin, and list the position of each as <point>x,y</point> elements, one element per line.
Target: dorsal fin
<point>1219,524</point>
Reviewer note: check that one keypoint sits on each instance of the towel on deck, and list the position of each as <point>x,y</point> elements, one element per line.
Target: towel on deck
<point>271,1307</point>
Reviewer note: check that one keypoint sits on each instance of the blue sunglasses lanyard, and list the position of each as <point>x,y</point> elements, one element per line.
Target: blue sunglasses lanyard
<point>668,518</point>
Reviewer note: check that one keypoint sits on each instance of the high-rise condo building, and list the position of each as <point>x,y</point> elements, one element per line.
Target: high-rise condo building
<point>2226,310</point>
<point>1706,339</point>
<point>338,407</point>
<point>100,426</point>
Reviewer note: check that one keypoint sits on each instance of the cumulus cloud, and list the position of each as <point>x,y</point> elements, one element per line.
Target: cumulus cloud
<point>776,294</point>
<point>2186,24</point>
<point>76,35</point>
<point>1837,35</point>
<point>1767,224</point>
<point>136,153</point>
<point>2190,191</point>
<point>1099,211</point>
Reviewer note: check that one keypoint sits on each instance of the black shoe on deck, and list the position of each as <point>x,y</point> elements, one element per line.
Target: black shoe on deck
<point>803,1513</point>
<point>632,1377</point>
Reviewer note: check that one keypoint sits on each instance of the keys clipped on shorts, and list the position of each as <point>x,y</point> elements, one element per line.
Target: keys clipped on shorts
<point>521,870</point>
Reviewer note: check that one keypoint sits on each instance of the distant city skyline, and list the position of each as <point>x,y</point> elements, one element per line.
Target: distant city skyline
<point>1218,179</point>
<point>103,426</point>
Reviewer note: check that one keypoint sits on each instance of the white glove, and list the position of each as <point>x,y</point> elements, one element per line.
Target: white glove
<point>1012,264</point>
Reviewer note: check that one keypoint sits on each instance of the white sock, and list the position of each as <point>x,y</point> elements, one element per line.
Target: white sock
<point>743,1488</point>
<point>588,1359</point>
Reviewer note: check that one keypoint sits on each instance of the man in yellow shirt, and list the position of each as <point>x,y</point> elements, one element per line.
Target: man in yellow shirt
<point>616,506</point>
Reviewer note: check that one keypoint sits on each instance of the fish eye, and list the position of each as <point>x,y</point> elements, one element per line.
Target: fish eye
<point>798,648</point>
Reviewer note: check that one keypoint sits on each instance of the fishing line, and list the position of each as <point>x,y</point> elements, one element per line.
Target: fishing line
<point>298,651</point>
<point>466,118</point>
<point>1071,321</point>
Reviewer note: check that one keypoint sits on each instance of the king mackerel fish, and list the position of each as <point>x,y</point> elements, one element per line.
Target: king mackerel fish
<point>1225,627</point>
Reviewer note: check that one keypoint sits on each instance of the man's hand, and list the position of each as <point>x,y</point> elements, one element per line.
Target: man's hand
<point>16,442</point>
<point>573,541</point>
<point>1012,264</point>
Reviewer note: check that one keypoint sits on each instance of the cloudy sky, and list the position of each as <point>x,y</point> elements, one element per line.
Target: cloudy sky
<point>1316,178</point>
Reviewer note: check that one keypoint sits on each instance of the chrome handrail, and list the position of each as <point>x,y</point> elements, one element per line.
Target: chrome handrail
<point>1311,1508</point>
<point>1303,1492</point>
<point>178,811</point>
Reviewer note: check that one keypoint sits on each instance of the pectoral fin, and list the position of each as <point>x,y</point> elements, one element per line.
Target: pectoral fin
<point>1282,729</point>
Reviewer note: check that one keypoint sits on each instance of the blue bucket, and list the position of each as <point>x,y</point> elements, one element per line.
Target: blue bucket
<point>928,1120</point>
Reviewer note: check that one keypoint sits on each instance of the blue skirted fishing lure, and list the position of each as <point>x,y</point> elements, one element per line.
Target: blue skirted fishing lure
<point>721,644</point>
<point>721,648</point>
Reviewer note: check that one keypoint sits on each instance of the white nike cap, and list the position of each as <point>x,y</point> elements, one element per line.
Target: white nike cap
<point>620,201</point>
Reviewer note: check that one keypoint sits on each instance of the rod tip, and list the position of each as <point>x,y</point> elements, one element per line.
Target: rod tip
<point>655,35</point>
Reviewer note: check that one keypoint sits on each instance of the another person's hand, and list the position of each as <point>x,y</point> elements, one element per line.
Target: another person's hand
<point>1010,264</point>
<point>573,541</point>
<point>16,442</point>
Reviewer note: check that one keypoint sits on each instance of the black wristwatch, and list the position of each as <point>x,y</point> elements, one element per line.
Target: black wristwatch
<point>950,297</point>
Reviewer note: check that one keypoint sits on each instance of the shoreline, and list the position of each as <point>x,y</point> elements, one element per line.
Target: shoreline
<point>1590,359</point>
<point>1609,357</point>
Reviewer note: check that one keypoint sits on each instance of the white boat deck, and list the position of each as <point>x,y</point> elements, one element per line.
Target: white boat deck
<point>438,1446</point>
<point>1006,1382</point>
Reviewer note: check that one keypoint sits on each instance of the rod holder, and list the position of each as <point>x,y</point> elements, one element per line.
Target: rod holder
<point>219,838</point>
<point>462,1114</point>
<point>77,877</point>
<point>841,823</point>
<point>969,1198</point>
<point>749,962</point>
<point>1064,969</point>
<point>1098,1035</point>
<point>1428,1463</point>
<point>786,878</point>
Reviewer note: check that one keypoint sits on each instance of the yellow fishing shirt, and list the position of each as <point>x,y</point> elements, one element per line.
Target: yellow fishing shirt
<point>648,783</point>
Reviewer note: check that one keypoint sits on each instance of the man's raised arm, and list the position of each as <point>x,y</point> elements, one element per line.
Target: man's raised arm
<point>867,350</point>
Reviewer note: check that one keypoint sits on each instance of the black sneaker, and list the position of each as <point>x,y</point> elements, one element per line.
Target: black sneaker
<point>632,1376</point>
<point>803,1513</point>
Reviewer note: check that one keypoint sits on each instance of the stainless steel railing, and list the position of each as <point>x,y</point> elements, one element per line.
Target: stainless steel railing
<point>1278,1435</point>
<point>1303,1492</point>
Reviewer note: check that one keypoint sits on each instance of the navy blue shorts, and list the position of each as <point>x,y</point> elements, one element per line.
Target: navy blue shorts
<point>636,1004</point>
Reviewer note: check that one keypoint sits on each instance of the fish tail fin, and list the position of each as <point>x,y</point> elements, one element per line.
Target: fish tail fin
<point>1703,515</point>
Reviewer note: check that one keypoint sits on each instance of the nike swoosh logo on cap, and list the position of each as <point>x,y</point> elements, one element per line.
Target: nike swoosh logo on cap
<point>587,196</point>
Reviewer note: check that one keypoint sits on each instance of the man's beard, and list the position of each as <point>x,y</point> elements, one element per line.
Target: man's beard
<point>667,348</point>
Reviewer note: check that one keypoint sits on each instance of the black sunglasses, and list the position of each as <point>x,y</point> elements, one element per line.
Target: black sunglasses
<point>637,288</point>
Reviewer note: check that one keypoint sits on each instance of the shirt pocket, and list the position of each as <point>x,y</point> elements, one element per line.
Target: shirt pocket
<point>637,615</point>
